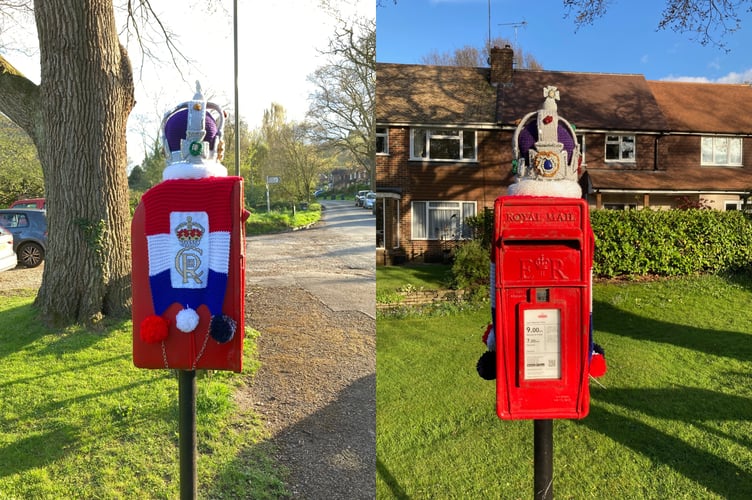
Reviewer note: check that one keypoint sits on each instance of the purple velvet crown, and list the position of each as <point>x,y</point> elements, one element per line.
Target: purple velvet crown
<point>529,136</point>
<point>176,125</point>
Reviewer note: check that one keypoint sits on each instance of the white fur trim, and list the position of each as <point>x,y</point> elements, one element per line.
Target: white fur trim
<point>185,170</point>
<point>186,320</point>
<point>559,188</point>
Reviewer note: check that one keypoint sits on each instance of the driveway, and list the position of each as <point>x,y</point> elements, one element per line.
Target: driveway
<point>312,295</point>
<point>335,260</point>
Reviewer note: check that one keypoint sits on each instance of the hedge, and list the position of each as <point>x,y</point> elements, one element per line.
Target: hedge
<point>640,243</point>
<point>670,242</point>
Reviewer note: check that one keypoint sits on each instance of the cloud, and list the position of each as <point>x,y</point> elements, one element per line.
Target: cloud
<point>732,77</point>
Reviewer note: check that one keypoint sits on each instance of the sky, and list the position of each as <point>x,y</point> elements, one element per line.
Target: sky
<point>626,40</point>
<point>278,48</point>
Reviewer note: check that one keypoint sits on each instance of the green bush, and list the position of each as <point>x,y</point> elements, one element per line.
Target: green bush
<point>471,268</point>
<point>640,243</point>
<point>670,242</point>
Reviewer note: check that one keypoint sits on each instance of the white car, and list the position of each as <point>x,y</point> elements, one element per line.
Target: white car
<point>370,200</point>
<point>8,258</point>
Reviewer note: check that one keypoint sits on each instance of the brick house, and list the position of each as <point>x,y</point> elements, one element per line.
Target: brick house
<point>444,137</point>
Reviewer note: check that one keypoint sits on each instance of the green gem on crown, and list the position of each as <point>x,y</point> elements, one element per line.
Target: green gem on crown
<point>196,148</point>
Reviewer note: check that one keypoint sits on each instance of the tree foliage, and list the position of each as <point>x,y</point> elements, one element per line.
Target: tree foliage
<point>342,104</point>
<point>470,56</point>
<point>149,173</point>
<point>290,151</point>
<point>706,21</point>
<point>20,170</point>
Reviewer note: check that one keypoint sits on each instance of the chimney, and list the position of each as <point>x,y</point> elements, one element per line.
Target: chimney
<point>501,65</point>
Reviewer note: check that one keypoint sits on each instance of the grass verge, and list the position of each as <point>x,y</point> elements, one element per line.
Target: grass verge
<point>673,420</point>
<point>78,420</point>
<point>276,221</point>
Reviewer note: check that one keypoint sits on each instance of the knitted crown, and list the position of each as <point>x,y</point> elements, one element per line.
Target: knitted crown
<point>546,153</point>
<point>192,139</point>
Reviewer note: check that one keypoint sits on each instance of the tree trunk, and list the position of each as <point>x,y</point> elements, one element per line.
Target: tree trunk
<point>85,97</point>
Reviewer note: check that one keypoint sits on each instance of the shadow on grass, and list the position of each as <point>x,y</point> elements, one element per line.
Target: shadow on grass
<point>394,487</point>
<point>329,454</point>
<point>735,345</point>
<point>25,329</point>
<point>690,406</point>
<point>28,329</point>
<point>24,454</point>
<point>69,369</point>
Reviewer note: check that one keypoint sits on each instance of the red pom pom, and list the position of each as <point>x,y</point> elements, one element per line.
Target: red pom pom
<point>153,329</point>
<point>597,365</point>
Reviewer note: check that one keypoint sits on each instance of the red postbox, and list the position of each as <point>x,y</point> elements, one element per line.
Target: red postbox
<point>543,249</point>
<point>188,251</point>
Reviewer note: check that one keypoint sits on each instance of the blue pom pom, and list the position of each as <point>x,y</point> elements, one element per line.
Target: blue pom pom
<point>222,328</point>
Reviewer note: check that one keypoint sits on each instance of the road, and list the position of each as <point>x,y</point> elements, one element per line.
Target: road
<point>311,294</point>
<point>335,260</point>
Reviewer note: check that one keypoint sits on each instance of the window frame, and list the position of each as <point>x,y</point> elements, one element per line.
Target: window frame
<point>444,134</point>
<point>581,142</point>
<point>462,231</point>
<point>384,134</point>
<point>620,143</point>
<point>714,162</point>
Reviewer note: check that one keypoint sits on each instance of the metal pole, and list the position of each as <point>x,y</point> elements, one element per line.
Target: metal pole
<point>543,449</point>
<point>187,430</point>
<point>237,104</point>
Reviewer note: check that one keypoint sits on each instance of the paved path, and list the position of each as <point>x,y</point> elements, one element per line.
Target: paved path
<point>311,294</point>
<point>335,261</point>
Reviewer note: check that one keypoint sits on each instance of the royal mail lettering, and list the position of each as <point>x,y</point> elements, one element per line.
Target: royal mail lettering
<point>561,216</point>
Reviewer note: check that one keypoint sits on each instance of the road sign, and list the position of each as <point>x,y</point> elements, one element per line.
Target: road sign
<point>272,179</point>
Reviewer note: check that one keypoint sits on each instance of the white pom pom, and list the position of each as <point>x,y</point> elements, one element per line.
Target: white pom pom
<point>186,320</point>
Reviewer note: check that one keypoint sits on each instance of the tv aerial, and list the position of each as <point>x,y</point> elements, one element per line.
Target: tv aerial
<point>516,26</point>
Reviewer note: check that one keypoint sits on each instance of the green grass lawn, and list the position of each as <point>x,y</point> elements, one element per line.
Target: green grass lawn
<point>78,420</point>
<point>673,421</point>
<point>390,280</point>
<point>280,220</point>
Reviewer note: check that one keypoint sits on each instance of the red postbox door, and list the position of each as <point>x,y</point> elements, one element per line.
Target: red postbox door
<point>206,217</point>
<point>543,252</point>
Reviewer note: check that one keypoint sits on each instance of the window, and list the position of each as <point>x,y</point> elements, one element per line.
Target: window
<point>443,144</point>
<point>382,141</point>
<point>620,148</point>
<point>581,141</point>
<point>441,220</point>
<point>722,151</point>
<point>13,220</point>
<point>619,206</point>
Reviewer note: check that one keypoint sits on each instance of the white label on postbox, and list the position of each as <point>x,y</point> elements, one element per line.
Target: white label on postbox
<point>189,241</point>
<point>542,349</point>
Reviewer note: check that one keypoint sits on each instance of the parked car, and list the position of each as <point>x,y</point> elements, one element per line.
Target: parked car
<point>360,198</point>
<point>370,200</point>
<point>28,203</point>
<point>29,228</point>
<point>7,254</point>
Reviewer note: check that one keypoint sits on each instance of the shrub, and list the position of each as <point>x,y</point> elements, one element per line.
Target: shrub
<point>471,268</point>
<point>670,242</point>
<point>640,243</point>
